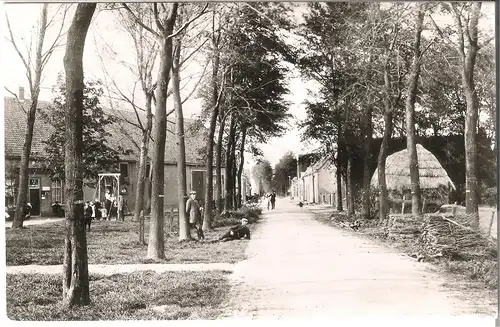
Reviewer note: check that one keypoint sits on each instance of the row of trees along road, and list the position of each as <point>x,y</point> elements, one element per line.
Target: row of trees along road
<point>243,101</point>
<point>361,54</point>
<point>376,63</point>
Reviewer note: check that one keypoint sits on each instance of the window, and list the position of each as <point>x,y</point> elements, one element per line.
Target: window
<point>10,191</point>
<point>34,183</point>
<point>57,191</point>
<point>124,169</point>
<point>148,169</point>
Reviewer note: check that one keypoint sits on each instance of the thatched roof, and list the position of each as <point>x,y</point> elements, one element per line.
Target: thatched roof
<point>397,171</point>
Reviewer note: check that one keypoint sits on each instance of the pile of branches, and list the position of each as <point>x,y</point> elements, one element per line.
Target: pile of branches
<point>404,227</point>
<point>353,222</point>
<point>445,237</point>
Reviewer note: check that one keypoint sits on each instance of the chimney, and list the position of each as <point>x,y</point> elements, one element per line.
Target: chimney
<point>21,93</point>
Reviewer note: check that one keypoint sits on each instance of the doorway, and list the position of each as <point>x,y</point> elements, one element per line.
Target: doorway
<point>197,183</point>
<point>34,196</point>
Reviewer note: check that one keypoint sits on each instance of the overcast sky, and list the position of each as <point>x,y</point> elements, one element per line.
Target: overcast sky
<point>103,31</point>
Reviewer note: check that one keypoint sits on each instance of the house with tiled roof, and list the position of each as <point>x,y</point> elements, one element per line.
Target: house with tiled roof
<point>318,184</point>
<point>125,133</point>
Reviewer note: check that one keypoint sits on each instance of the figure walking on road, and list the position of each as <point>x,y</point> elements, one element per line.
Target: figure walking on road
<point>193,209</point>
<point>273,199</point>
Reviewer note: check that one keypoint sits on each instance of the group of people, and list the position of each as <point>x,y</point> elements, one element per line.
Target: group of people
<point>271,200</point>
<point>113,208</point>
<point>194,210</point>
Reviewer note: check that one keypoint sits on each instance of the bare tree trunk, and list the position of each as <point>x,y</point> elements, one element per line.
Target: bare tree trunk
<point>229,165</point>
<point>75,263</point>
<point>141,171</point>
<point>471,97</point>
<point>181,148</point>
<point>411,143</point>
<point>207,214</point>
<point>349,187</point>
<point>218,165</point>
<point>384,147</point>
<point>22,194</point>
<point>366,163</point>
<point>242,161</point>
<point>339,173</point>
<point>156,242</point>
<point>234,170</point>
<point>382,156</point>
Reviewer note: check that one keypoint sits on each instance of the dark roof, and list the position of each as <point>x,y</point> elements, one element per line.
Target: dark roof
<point>123,133</point>
<point>15,128</point>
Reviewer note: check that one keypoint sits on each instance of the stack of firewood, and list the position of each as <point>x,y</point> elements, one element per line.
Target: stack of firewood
<point>450,238</point>
<point>404,227</point>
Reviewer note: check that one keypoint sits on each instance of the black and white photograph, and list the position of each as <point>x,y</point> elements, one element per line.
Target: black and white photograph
<point>250,161</point>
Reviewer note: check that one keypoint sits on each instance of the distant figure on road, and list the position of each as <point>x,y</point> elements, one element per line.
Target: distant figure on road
<point>237,232</point>
<point>273,199</point>
<point>193,209</point>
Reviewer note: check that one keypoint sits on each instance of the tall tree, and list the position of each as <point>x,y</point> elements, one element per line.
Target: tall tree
<point>467,29</point>
<point>411,95</point>
<point>181,148</point>
<point>284,171</point>
<point>241,163</point>
<point>228,200</point>
<point>262,173</point>
<point>34,65</point>
<point>75,262</point>
<point>165,22</point>
<point>146,52</point>
<point>215,99</point>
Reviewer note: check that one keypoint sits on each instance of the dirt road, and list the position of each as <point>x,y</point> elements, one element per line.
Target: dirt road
<point>298,267</point>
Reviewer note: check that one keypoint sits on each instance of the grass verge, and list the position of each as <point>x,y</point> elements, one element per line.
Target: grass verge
<point>116,242</point>
<point>141,295</point>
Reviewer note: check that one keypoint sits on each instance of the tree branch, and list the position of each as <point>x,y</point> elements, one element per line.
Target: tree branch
<point>138,21</point>
<point>183,27</point>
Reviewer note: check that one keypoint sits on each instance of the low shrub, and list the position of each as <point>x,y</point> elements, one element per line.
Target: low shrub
<point>233,217</point>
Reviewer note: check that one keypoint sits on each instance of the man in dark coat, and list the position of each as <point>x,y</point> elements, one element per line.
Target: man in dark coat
<point>237,232</point>
<point>193,210</point>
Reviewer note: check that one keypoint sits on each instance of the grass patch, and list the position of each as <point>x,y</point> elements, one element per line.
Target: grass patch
<point>116,242</point>
<point>132,296</point>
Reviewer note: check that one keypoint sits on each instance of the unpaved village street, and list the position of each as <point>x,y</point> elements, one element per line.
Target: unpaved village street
<point>298,266</point>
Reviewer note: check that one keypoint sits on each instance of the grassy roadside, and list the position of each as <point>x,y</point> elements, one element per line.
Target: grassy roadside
<point>116,242</point>
<point>476,278</point>
<point>141,295</point>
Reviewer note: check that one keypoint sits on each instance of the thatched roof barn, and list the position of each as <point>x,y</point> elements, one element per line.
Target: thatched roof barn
<point>397,171</point>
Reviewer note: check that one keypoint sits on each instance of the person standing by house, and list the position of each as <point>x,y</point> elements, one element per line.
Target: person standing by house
<point>108,204</point>
<point>87,217</point>
<point>273,199</point>
<point>97,209</point>
<point>121,215</point>
<point>193,209</point>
